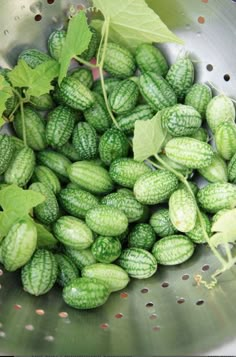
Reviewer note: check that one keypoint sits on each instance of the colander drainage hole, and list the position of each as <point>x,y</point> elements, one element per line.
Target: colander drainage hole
<point>185,277</point>
<point>38,17</point>
<point>153,317</point>
<point>17,307</point>
<point>181,301</point>
<point>50,2</point>
<point>49,338</point>
<point>200,302</point>
<point>63,314</point>
<point>156,328</point>
<point>209,67</point>
<point>119,315</point>
<point>144,290</point>
<point>227,77</point>
<point>29,327</point>
<point>149,304</point>
<point>205,267</point>
<point>104,326</point>
<point>40,312</point>
<point>124,295</point>
<point>165,284</point>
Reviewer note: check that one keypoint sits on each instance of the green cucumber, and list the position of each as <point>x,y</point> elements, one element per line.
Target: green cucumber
<point>140,112</point>
<point>40,273</point>
<point>85,141</point>
<point>93,45</point>
<point>46,176</point>
<point>67,270</point>
<point>33,57</point>
<point>198,97</point>
<point>68,151</point>
<point>225,139</point>
<point>124,97</point>
<point>150,59</point>
<point>220,110</point>
<point>97,115</point>
<point>142,236</point>
<point>106,249</point>
<point>84,75</point>
<point>196,234</point>
<point>174,165</point>
<point>216,196</point>
<point>173,250</point>
<point>6,152</point>
<point>161,223</point>
<point>43,102</point>
<point>194,187</point>
<point>81,258</point>
<point>109,82</point>
<point>201,134</point>
<point>58,163</point>
<point>216,171</point>
<point>56,42</point>
<point>232,169</point>
<point>138,263</point>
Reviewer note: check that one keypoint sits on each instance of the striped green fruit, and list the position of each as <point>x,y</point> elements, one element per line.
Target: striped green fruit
<point>161,223</point>
<point>75,94</point>
<point>196,234</point>
<point>114,276</point>
<point>173,250</point>
<point>86,293</point>
<point>107,221</point>
<point>6,152</point>
<point>174,165</point>
<point>220,110</point>
<point>109,83</point>
<point>155,187</point>
<point>60,125</point>
<point>126,171</point>
<point>85,141</point>
<point>140,112</point>
<point>18,144</point>
<point>225,139</point>
<point>56,42</point>
<point>119,61</point>
<point>81,258</point>
<point>48,211</point>
<point>142,236</point>
<point>33,57</point>
<point>138,263</point>
<point>189,152</point>
<point>194,187</point>
<point>201,134</point>
<point>93,45</point>
<point>156,91</point>
<point>106,249</point>
<point>113,145</point>
<point>216,171</point>
<point>150,59</point>
<point>199,96</point>
<point>126,203</point>
<point>181,76</point>
<point>181,120</point>
<point>90,177</point>
<point>46,176</point>
<point>21,167</point>
<point>39,275</point>
<point>232,169</point>
<point>216,196</point>
<point>67,270</point>
<point>182,210</point>
<point>124,97</point>
<point>43,102</point>
<point>58,163</point>
<point>77,202</point>
<point>19,244</point>
<point>84,75</point>
<point>97,115</point>
<point>68,151</point>
<point>73,232</point>
<point>34,128</point>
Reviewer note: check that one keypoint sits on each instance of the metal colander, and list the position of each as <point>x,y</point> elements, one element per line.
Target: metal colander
<point>167,314</point>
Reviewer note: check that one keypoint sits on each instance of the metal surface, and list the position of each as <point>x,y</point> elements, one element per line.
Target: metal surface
<point>149,317</point>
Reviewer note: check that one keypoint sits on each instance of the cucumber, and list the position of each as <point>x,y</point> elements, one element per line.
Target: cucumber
<point>58,163</point>
<point>181,76</point>
<point>67,270</point>
<point>201,134</point>
<point>81,258</point>
<point>47,177</point>
<point>84,75</point>
<point>40,273</point>
<point>86,293</point>
<point>173,250</point>
<point>113,145</point>
<point>93,45</point>
<point>119,61</point>
<point>126,203</point>
<point>174,165</point>
<point>124,97</point>
<point>194,187</point>
<point>156,91</point>
<point>18,144</point>
<point>142,236</point>
<point>90,177</point>
<point>60,125</point>
<point>109,82</point>
<point>216,171</point>
<point>43,102</point>
<point>140,112</point>
<point>161,223</point>
<point>68,151</point>
<point>181,120</point>
<point>19,244</point>
<point>189,152</point>
<point>198,97</point>
<point>232,169</point>
<point>150,59</point>
<point>73,232</point>
<point>182,210</point>
<point>85,141</point>
<point>77,202</point>
<point>216,196</point>
<point>138,263</point>
<point>6,152</point>
<point>114,276</point>
<point>220,110</point>
<point>56,42</point>
<point>48,211</point>
<point>33,57</point>
<point>196,234</point>
<point>106,249</point>
<point>225,139</point>
<point>97,115</point>
<point>107,221</point>
<point>127,171</point>
<point>75,94</point>
<point>20,168</point>
<point>34,129</point>
<point>155,187</point>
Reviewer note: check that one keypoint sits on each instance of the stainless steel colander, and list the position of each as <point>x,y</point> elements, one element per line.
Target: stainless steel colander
<point>167,314</point>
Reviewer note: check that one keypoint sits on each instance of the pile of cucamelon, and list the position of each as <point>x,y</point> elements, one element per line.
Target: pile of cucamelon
<point>104,212</point>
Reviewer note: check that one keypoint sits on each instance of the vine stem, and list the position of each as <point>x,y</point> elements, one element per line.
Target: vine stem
<point>23,121</point>
<point>81,60</point>
<point>202,222</point>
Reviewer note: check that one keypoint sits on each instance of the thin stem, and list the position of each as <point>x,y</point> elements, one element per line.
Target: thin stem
<point>101,43</point>
<point>23,122</point>
<point>81,60</point>
<point>154,164</point>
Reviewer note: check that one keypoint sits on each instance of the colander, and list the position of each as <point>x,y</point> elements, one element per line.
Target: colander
<point>167,314</point>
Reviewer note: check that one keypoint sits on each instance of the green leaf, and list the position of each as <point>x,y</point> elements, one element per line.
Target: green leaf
<point>45,239</point>
<point>37,80</point>
<point>5,93</point>
<point>132,22</point>
<point>77,41</point>
<point>149,137</point>
<point>225,226</point>
<point>16,203</point>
